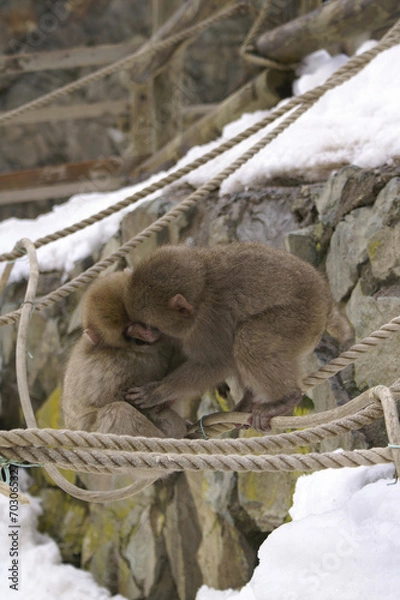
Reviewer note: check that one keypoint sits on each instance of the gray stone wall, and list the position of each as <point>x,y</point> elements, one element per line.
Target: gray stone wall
<point>206,527</point>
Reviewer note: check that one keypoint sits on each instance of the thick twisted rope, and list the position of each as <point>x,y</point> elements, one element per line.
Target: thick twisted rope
<point>109,462</point>
<point>318,427</point>
<point>121,64</point>
<point>113,456</point>
<point>347,71</point>
<point>351,355</point>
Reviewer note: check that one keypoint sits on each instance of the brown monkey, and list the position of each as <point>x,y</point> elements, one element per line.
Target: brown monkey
<point>107,360</point>
<point>243,309</point>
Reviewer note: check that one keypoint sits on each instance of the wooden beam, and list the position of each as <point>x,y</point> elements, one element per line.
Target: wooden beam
<point>69,58</point>
<point>190,113</point>
<point>325,27</point>
<point>60,181</point>
<point>73,111</point>
<point>68,172</point>
<point>167,85</point>
<point>190,13</point>
<point>61,190</point>
<point>262,92</point>
<point>193,112</point>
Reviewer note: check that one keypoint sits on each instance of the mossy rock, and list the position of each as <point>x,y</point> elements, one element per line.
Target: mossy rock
<point>65,519</point>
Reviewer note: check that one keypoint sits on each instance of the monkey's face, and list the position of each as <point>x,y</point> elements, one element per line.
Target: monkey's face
<point>157,292</point>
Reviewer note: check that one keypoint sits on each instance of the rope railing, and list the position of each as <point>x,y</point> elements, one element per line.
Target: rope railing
<point>107,453</point>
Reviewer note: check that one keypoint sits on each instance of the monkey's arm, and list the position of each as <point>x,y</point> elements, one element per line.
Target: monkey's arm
<point>188,379</point>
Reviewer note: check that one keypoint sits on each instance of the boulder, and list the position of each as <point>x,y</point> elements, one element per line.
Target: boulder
<point>367,313</point>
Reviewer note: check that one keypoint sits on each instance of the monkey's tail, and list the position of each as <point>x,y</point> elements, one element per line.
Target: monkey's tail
<point>339,327</point>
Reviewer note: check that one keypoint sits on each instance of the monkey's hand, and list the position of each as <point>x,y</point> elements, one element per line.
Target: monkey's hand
<point>145,396</point>
<point>262,412</point>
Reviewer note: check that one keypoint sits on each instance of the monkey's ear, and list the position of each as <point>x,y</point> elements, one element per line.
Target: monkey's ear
<point>181,305</point>
<point>92,336</point>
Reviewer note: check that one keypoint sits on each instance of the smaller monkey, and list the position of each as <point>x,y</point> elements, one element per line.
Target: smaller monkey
<point>109,359</point>
<point>242,310</point>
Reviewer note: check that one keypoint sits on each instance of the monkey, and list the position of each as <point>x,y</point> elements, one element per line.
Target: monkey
<point>108,359</point>
<point>244,310</point>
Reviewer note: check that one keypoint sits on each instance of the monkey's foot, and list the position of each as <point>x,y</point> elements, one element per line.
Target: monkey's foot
<point>262,413</point>
<point>144,396</point>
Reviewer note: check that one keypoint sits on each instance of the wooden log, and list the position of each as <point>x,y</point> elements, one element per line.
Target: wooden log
<point>190,13</point>
<point>141,132</point>
<point>94,110</point>
<point>262,92</point>
<point>114,108</point>
<point>167,85</point>
<point>68,172</point>
<point>57,191</point>
<point>193,112</point>
<point>326,26</point>
<point>60,181</point>
<point>69,58</point>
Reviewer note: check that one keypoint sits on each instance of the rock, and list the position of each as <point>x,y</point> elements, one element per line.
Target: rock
<point>381,364</point>
<point>266,221</point>
<point>49,414</point>
<point>141,554</point>
<point>359,236</point>
<point>144,215</point>
<point>219,232</point>
<point>44,346</point>
<point>324,398</point>
<point>266,497</point>
<point>387,205</point>
<point>117,541</point>
<point>182,534</point>
<point>348,250</point>
<point>384,252</point>
<point>328,201</point>
<point>301,243</point>
<point>360,189</point>
<point>224,556</point>
<point>64,519</point>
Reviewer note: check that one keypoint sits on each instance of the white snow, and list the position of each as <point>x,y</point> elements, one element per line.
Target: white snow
<point>40,574</point>
<point>343,542</point>
<point>356,123</point>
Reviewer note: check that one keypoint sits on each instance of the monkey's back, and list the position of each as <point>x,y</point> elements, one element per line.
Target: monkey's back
<point>97,376</point>
<point>258,277</point>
